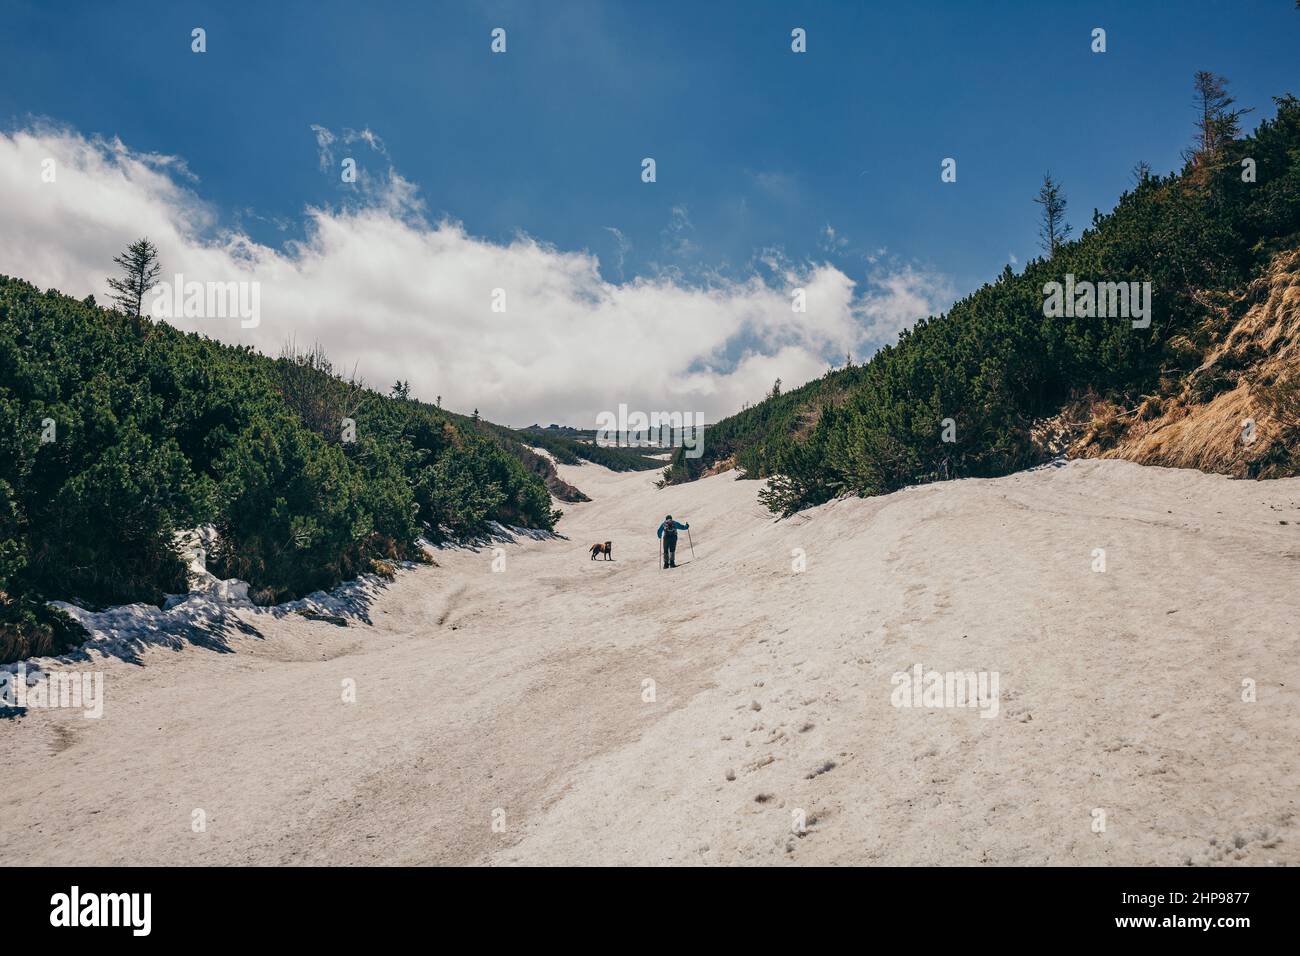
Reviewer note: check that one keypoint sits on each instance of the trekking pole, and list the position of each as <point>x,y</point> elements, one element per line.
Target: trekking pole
<point>691,543</point>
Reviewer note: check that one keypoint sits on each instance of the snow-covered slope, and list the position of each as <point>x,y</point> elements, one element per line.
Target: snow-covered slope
<point>614,712</point>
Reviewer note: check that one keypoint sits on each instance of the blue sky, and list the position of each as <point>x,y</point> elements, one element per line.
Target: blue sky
<point>760,146</point>
<point>757,148</point>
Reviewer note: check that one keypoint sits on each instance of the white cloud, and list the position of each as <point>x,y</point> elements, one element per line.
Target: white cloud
<point>378,285</point>
<point>324,144</point>
<point>622,248</point>
<point>676,234</point>
<point>895,300</point>
<point>831,241</point>
<point>366,136</point>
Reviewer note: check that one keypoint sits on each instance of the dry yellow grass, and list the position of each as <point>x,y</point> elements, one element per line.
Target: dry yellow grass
<point>1259,357</point>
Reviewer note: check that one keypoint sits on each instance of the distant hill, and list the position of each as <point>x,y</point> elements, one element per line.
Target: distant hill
<point>572,446</point>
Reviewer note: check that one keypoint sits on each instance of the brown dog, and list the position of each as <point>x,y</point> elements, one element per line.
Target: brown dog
<point>607,549</point>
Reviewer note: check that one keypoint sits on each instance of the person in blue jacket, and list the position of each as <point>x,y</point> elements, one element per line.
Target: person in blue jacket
<point>668,533</point>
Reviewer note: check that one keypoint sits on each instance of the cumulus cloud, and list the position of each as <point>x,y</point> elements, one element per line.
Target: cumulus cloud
<point>894,301</point>
<point>378,285</point>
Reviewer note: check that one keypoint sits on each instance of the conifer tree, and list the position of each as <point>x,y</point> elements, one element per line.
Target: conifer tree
<point>1054,230</point>
<point>139,270</point>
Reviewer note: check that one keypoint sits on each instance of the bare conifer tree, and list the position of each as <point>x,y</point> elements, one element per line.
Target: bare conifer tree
<point>1217,124</point>
<point>1054,229</point>
<point>139,270</point>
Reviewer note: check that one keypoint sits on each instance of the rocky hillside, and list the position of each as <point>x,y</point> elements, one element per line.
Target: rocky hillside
<point>1238,411</point>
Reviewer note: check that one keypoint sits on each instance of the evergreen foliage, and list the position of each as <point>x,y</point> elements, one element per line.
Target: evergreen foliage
<point>994,363</point>
<point>118,433</point>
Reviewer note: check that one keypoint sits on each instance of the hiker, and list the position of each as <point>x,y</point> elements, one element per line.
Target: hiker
<point>668,532</point>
